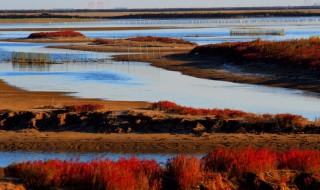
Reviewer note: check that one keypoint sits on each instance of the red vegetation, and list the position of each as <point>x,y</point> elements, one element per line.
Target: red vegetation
<point>186,172</point>
<point>306,161</point>
<point>285,120</point>
<point>303,53</point>
<point>240,162</point>
<point>160,39</point>
<point>84,107</point>
<point>60,34</point>
<point>172,107</point>
<point>98,174</point>
<point>181,172</point>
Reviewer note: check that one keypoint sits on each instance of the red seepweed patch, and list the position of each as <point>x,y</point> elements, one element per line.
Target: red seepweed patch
<point>59,34</point>
<point>304,53</point>
<point>181,172</point>
<point>84,107</point>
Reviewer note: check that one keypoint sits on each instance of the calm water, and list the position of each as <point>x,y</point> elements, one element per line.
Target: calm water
<point>142,82</point>
<point>7,158</point>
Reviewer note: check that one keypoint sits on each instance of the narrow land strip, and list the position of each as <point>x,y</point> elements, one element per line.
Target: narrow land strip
<point>149,143</point>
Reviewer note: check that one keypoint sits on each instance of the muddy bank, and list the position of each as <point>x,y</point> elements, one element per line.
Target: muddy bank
<point>143,131</point>
<point>144,122</point>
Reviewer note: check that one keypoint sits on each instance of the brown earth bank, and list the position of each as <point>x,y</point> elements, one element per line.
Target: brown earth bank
<point>32,140</point>
<point>147,121</point>
<point>177,58</point>
<point>147,131</point>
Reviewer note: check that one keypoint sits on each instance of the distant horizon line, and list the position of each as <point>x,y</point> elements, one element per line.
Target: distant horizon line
<point>316,6</point>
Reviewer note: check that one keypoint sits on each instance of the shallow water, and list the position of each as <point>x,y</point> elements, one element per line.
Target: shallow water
<point>141,82</point>
<point>7,158</point>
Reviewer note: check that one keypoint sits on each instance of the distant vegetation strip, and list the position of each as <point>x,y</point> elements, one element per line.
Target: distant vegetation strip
<point>303,53</point>
<point>59,34</point>
<point>160,39</point>
<point>245,168</point>
<point>164,14</point>
<point>216,15</point>
<point>123,13</point>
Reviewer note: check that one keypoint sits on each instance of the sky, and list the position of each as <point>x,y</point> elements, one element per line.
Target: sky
<point>110,4</point>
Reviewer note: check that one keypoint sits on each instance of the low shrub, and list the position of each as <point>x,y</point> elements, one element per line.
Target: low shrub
<point>59,34</point>
<point>84,107</point>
